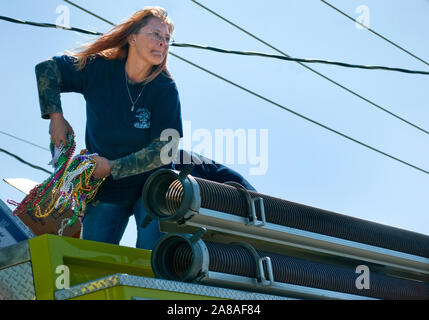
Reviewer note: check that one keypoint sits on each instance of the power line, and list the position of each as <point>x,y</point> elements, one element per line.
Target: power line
<point>246,53</point>
<point>377,34</point>
<point>259,54</point>
<point>24,162</point>
<point>311,69</point>
<point>91,13</point>
<point>87,11</point>
<point>23,140</point>
<point>49,25</point>
<point>287,109</point>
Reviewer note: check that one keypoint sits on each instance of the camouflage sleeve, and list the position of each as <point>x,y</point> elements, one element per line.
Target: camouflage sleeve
<point>48,83</point>
<point>155,155</point>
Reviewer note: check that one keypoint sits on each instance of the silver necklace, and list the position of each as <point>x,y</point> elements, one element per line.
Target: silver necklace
<point>129,93</point>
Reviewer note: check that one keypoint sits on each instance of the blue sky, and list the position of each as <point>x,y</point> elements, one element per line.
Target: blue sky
<point>306,163</point>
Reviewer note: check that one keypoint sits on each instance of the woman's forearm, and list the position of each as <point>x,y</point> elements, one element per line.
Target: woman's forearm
<point>49,83</point>
<point>155,155</point>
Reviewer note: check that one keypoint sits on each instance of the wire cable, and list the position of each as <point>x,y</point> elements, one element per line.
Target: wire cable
<point>377,34</point>
<point>245,53</point>
<point>23,140</point>
<point>311,69</point>
<point>87,11</point>
<point>49,25</point>
<point>259,54</point>
<point>23,161</point>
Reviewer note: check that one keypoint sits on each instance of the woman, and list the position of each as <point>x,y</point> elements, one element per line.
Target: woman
<point>130,99</point>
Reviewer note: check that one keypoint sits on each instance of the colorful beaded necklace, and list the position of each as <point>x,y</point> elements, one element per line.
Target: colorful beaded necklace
<point>71,185</point>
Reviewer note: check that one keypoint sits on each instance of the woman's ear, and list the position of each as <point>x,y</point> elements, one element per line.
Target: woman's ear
<point>132,40</point>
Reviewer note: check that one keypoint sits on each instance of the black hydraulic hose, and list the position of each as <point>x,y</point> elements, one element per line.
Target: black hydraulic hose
<point>168,196</point>
<point>176,258</point>
<point>223,198</point>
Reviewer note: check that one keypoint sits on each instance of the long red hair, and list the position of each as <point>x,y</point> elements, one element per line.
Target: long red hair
<point>114,44</point>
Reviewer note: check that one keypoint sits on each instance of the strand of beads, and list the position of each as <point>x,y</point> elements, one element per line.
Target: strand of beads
<point>71,186</point>
<point>60,157</point>
<point>78,186</point>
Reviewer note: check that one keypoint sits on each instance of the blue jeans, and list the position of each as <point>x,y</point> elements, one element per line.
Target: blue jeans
<point>106,222</point>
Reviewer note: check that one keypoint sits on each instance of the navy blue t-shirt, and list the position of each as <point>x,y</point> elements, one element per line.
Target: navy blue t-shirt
<point>113,129</point>
<point>209,169</point>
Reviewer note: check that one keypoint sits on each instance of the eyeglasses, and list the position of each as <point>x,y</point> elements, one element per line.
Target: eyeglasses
<point>159,37</point>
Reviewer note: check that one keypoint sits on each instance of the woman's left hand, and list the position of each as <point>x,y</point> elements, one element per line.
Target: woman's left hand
<point>102,167</point>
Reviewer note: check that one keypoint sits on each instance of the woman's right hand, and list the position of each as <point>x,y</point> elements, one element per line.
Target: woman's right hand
<point>58,129</point>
